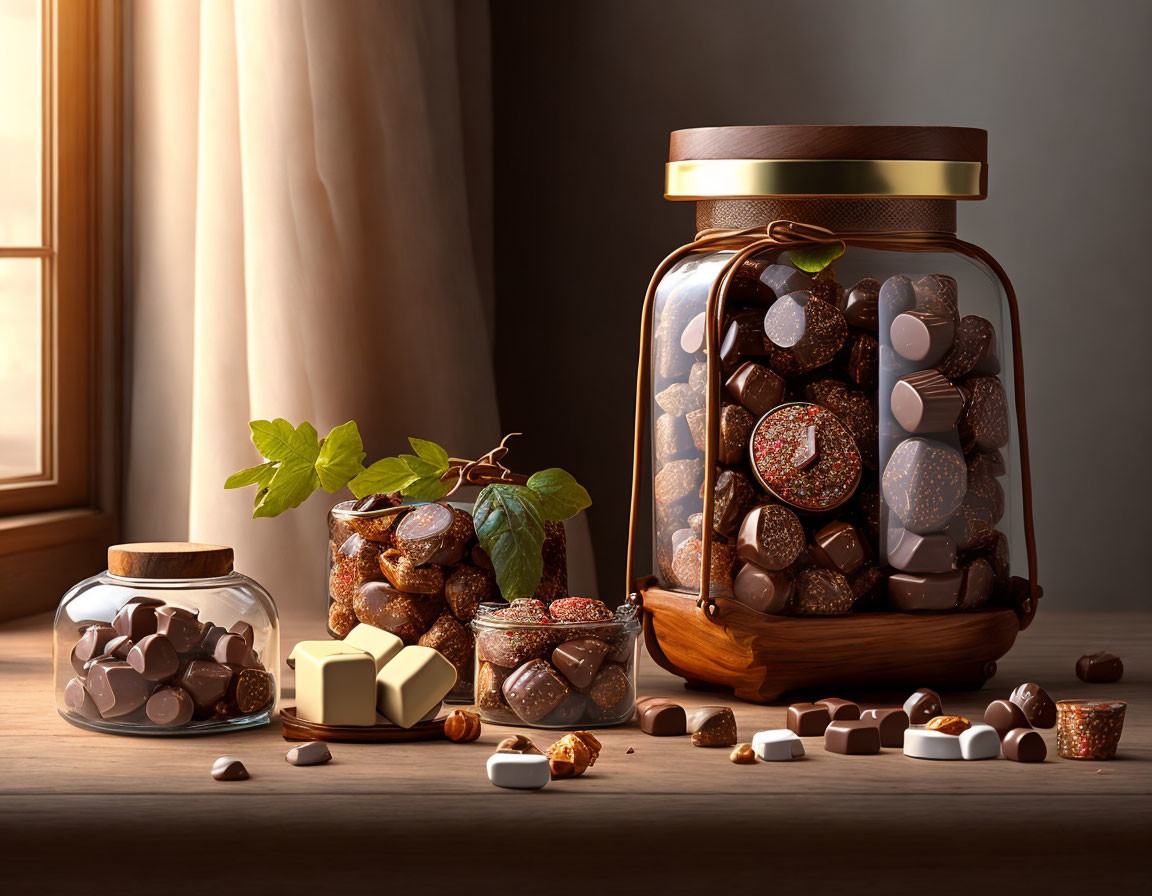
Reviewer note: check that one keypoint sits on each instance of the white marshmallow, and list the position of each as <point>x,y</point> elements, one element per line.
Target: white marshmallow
<point>980,742</point>
<point>778,745</point>
<point>519,771</point>
<point>923,743</point>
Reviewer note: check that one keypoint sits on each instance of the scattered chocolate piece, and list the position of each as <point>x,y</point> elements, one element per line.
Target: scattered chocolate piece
<point>891,723</point>
<point>170,707</point>
<point>314,752</point>
<point>909,592</point>
<point>922,706</point>
<point>808,719</point>
<point>948,724</point>
<point>1004,716</point>
<point>822,592</point>
<point>854,738</point>
<point>771,537</point>
<point>629,751</point>
<point>518,743</point>
<point>755,387</point>
<point>838,546</point>
<point>926,402</point>
<point>712,726</point>
<point>1023,745</point>
<point>861,304</point>
<point>1038,708</point>
<point>1099,668</point>
<point>229,768</point>
<point>924,483</point>
<point>763,590</point>
<point>743,755</point>
<point>661,718</point>
<point>921,336</point>
<point>841,710</point>
<point>1089,729</point>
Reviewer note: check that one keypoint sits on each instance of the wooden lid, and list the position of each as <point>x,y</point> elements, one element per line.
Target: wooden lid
<point>791,141</point>
<point>169,560</point>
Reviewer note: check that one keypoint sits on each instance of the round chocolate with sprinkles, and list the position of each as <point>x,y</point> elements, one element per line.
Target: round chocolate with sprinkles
<point>770,536</point>
<point>924,483</point>
<point>973,350</point>
<point>822,592</point>
<point>984,423</point>
<point>937,293</point>
<point>812,330</point>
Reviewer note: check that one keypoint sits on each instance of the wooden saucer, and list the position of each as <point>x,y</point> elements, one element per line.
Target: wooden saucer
<point>294,728</point>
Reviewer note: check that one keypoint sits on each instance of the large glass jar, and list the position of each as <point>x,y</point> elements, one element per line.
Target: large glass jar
<point>170,639</point>
<point>418,572</point>
<point>834,386</point>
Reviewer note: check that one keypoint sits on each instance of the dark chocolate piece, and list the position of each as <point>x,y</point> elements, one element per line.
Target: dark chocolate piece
<point>712,726</point>
<point>974,523</point>
<point>756,388</point>
<point>1038,708</point>
<point>154,657</point>
<point>534,690</point>
<point>763,590</point>
<point>924,591</point>
<point>926,402</point>
<point>973,350</point>
<point>181,627</point>
<point>923,706</point>
<point>1004,715</point>
<point>209,637</point>
<point>853,409</point>
<point>771,537</point>
<point>976,589</point>
<point>921,336</point>
<point>254,690</point>
<point>170,707</point>
<point>661,718</point>
<point>811,330</point>
<point>580,660</point>
<point>924,483</point>
<point>822,592</point>
<point>206,682</point>
<point>116,688</point>
<point>610,688</point>
<point>808,719</point>
<point>840,710</point>
<point>743,338</point>
<point>984,423</point>
<point>861,304</point>
<point>466,588</point>
<point>1100,668</point>
<point>911,552</point>
<point>734,496</point>
<point>897,295</point>
<point>864,361</point>
<point>118,647</point>
<point>735,428</point>
<point>137,618</point>
<point>891,723</point>
<point>987,463</point>
<point>838,546</point>
<point>244,630</point>
<point>1023,745</point>
<point>854,738</point>
<point>937,293</point>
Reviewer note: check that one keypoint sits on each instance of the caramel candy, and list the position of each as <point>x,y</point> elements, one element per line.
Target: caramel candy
<point>926,402</point>
<point>466,588</point>
<point>838,546</point>
<point>170,707</point>
<point>923,705</point>
<point>911,552</point>
<point>1100,668</point>
<point>579,660</point>
<point>860,305</point>
<point>984,423</point>
<point>973,350</point>
<point>534,690</point>
<point>936,293</point>
<point>897,295</point>
<point>402,575</point>
<point>763,590</point>
<point>921,336</point>
<point>924,591</point>
<point>822,592</point>
<point>808,719</point>
<point>755,387</point>
<point>891,723</point>
<point>689,558</point>
<point>372,526</point>
<point>1034,702</point>
<point>341,619</point>
<point>771,537</point>
<point>712,726</point>
<point>854,738</point>
<point>924,483</point>
<point>976,588</point>
<point>1024,745</point>
<point>405,615</point>
<point>1004,716</point>
<point>811,330</point>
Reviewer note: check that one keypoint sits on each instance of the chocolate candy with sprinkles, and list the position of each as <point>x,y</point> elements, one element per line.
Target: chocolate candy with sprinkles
<point>812,330</point>
<point>924,483</point>
<point>984,424</point>
<point>733,498</point>
<point>937,293</point>
<point>1089,729</point>
<point>770,536</point>
<point>679,479</point>
<point>974,523</point>
<point>783,461</point>
<point>735,428</point>
<point>973,350</point>
<point>688,561</point>
<point>822,592</point>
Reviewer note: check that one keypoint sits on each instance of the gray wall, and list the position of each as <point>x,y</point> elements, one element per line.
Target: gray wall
<point>586,93</point>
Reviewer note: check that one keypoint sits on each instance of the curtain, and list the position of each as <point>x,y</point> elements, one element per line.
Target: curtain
<point>311,205</point>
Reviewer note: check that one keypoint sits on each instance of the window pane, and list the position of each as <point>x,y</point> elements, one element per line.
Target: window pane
<point>21,91</point>
<point>20,367</point>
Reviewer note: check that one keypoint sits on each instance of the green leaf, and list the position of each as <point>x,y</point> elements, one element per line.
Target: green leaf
<point>430,452</point>
<point>560,495</point>
<point>277,440</point>
<point>259,475</point>
<point>510,526</point>
<point>813,259</point>
<point>289,487</point>
<point>388,475</point>
<point>421,467</point>
<point>340,458</point>
<point>426,488</point>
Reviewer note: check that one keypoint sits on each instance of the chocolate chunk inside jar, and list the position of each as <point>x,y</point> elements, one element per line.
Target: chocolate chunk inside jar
<point>170,639</point>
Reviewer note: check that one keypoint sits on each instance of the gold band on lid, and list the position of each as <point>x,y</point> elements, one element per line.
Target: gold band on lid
<point>697,179</point>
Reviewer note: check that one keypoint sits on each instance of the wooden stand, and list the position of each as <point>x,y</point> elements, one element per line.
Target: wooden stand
<point>294,728</point>
<point>763,657</point>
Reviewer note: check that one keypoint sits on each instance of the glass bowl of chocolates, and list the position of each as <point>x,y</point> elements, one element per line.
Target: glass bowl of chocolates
<point>170,639</point>
<point>568,664</point>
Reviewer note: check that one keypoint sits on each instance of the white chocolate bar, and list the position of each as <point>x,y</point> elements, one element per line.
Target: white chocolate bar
<point>335,683</point>
<point>519,771</point>
<point>923,743</point>
<point>412,684</point>
<point>381,644</point>
<point>980,742</point>
<point>778,745</point>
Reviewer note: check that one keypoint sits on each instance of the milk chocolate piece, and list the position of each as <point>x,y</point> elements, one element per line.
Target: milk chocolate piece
<point>512,647</point>
<point>783,279</point>
<point>811,330</point>
<point>231,648</point>
<point>735,428</point>
<point>454,641</point>
<point>743,338</point>
<point>1023,745</point>
<point>923,705</point>
<point>568,711</point>
<point>697,423</point>
<point>678,479</point>
<point>207,683</point>
<point>610,687</point>
<point>181,627</point>
<point>1100,668</point>
<point>854,738</point>
<point>534,690</point>
<point>763,590</point>
<point>838,546</point>
<point>170,707</point>
<point>755,387</point>
<point>254,689</point>
<point>1004,716</point>
<point>733,497</point>
<point>861,304</point>
<point>580,660</point>
<point>118,647</point>
<point>924,483</point>
<point>973,524</point>
<point>865,584</point>
<point>822,592</point>
<point>897,295</point>
<point>864,361</point>
<point>925,402</point>
<point>713,726</point>
<point>973,350</point>
<point>116,688</point>
<point>890,722</point>
<point>1038,708</point>
<point>673,438</point>
<point>910,552</point>
<point>229,768</point>
<point>489,688</point>
<point>662,718</point>
<point>909,592</point>
<point>937,294</point>
<point>1089,729</point>
<point>466,588</point>
<point>984,423</point>
<point>809,719</point>
<point>137,618</point>
<point>154,657</point>
<point>976,589</point>
<point>518,743</point>
<point>921,336</point>
<point>407,616</point>
<point>314,752</point>
<point>840,710</point>
<point>771,537</point>
<point>77,700</point>
<point>93,643</point>
<point>854,411</point>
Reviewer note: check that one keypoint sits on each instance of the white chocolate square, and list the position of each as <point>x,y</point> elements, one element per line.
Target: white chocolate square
<point>335,683</point>
<point>980,742</point>
<point>381,644</point>
<point>412,684</point>
<point>924,743</point>
<point>779,745</point>
<point>519,771</point>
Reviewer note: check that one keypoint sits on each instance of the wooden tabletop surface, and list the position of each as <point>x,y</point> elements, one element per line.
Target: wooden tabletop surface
<point>116,812</point>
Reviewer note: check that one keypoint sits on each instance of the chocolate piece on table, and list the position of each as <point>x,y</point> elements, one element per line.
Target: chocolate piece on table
<point>1038,708</point>
<point>1004,716</point>
<point>1023,745</point>
<point>693,335</point>
<point>864,361</point>
<point>314,752</point>
<point>891,723</point>
<point>688,561</point>
<point>170,707</point>
<point>93,643</point>
<point>926,402</point>
<point>229,768</point>
<point>519,771</point>
<point>973,350</point>
<point>840,710</point>
<point>984,423</point>
<point>763,590</point>
<point>923,743</point>
<point>954,725</point>
<point>610,687</point>
<point>181,627</point>
<point>921,336</point>
<point>777,745</point>
<point>755,387</point>
<point>822,592</point>
<point>854,738</point>
<point>976,589</point>
<point>407,616</point>
<point>1089,729</point>
<point>838,546</point>
<point>381,644</point>
<point>811,330</point>
<point>924,591</point>
<point>808,719</point>
<point>254,688</point>
<point>335,683</point>
<point>974,522</point>
<point>923,705</point>
<point>413,683</point>
<point>897,295</point>
<point>534,690</point>
<point>937,293</point>
<point>154,657</point>
<point>1100,668</point>
<point>116,688</point>
<point>821,485</point>
<point>137,618</point>
<point>783,279</point>
<point>673,438</point>
<point>860,305</point>
<point>733,497</point>
<point>579,660</point>
<point>911,552</point>
<point>678,479</point>
<point>77,700</point>
<point>662,718</point>
<point>979,742</point>
<point>735,428</point>
<point>712,726</point>
<point>924,483</point>
<point>743,338</point>
<point>231,648</point>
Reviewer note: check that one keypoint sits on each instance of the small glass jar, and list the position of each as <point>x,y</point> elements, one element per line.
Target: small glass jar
<point>556,674</point>
<point>170,639</point>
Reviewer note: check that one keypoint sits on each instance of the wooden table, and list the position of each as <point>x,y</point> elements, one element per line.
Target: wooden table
<point>121,814</point>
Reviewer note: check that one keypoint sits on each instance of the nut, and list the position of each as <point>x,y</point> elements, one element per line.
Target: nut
<point>569,757</point>
<point>518,743</point>
<point>462,726</point>
<point>743,755</point>
<point>591,743</point>
<point>948,724</point>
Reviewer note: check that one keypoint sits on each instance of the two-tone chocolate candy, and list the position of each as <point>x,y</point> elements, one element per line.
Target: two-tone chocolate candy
<point>810,330</point>
<point>921,336</point>
<point>926,402</point>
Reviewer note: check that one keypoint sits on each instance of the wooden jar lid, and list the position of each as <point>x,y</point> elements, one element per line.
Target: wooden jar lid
<point>169,560</point>
<point>827,160</point>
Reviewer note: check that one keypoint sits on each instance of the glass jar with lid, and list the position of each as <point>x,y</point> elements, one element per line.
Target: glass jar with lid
<point>834,384</point>
<point>170,639</point>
